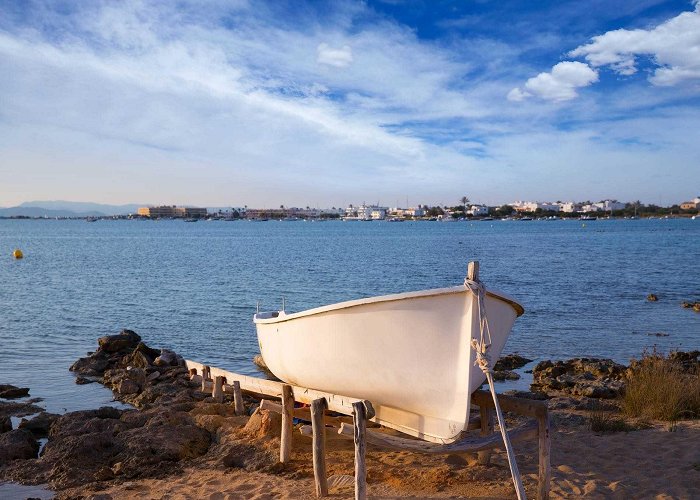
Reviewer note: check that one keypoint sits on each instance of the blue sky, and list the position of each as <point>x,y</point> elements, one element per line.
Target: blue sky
<point>327,103</point>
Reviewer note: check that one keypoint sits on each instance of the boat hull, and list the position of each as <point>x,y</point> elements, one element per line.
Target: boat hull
<point>409,354</point>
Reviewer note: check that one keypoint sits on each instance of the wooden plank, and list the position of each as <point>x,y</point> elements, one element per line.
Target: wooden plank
<point>238,405</point>
<point>486,421</point>
<point>359,434</point>
<point>319,446</point>
<point>522,406</point>
<point>545,467</point>
<point>467,444</point>
<point>287,423</point>
<point>264,387</point>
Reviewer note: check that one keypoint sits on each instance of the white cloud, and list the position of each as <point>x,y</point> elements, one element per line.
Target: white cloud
<point>673,46</point>
<point>340,58</point>
<point>559,85</point>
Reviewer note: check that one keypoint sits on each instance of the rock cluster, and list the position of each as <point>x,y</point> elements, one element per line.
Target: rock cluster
<point>8,391</point>
<point>137,374</point>
<point>590,377</point>
<point>175,423</point>
<point>503,369</point>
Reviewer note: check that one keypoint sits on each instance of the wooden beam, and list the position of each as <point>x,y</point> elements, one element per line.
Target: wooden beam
<point>545,467</point>
<point>287,423</point>
<point>264,387</point>
<point>470,444</point>
<point>522,406</point>
<point>319,446</point>
<point>359,433</point>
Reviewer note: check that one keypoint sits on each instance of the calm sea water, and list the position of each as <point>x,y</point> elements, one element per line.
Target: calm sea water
<point>194,287</point>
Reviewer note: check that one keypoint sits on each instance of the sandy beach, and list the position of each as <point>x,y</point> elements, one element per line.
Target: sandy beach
<point>178,442</point>
<point>651,463</point>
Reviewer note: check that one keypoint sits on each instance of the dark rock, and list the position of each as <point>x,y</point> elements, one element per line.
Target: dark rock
<point>688,360</point>
<point>539,396</point>
<point>166,358</point>
<point>40,424</point>
<point>597,378</point>
<point>18,409</point>
<point>93,365</point>
<point>138,360</point>
<point>5,424</point>
<point>17,444</point>
<point>511,362</point>
<point>128,386</point>
<point>505,375</point>
<point>143,348</point>
<point>11,392</point>
<point>127,339</point>
<point>80,380</point>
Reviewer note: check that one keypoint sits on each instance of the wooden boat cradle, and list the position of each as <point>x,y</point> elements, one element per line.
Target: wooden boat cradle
<point>216,381</point>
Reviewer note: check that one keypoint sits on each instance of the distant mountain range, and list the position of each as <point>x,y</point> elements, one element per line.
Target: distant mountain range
<point>67,209</point>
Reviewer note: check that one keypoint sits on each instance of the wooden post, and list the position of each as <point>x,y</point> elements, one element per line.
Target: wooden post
<point>473,270</point>
<point>545,468</point>
<point>287,423</point>
<point>486,430</point>
<point>206,377</point>
<point>238,406</point>
<point>319,446</point>
<point>218,392</point>
<point>360,429</point>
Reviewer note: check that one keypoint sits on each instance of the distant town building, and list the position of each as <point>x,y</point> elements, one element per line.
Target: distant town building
<point>532,206</point>
<point>694,204</point>
<point>478,210</point>
<point>569,207</point>
<point>603,206</point>
<point>172,211</point>
<point>366,212</point>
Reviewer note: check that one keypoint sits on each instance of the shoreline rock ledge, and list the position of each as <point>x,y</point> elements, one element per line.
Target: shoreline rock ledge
<point>589,377</point>
<point>174,424</point>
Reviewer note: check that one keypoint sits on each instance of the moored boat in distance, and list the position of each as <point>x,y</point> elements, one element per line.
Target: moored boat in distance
<point>588,217</point>
<point>409,354</point>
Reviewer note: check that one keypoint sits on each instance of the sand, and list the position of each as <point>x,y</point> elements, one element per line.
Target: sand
<point>650,463</point>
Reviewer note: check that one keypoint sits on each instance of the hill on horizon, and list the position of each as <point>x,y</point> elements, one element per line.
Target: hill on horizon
<point>60,208</point>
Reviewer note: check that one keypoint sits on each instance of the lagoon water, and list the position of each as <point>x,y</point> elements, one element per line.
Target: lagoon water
<point>194,287</point>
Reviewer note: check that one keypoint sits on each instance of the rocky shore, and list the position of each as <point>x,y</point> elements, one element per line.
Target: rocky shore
<point>178,441</point>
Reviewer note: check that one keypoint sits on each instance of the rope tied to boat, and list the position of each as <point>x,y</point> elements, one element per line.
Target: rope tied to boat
<point>483,361</point>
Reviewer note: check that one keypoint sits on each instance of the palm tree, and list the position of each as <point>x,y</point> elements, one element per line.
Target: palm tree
<point>464,201</point>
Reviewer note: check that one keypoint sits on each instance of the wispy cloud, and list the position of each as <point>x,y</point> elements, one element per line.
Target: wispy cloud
<point>263,103</point>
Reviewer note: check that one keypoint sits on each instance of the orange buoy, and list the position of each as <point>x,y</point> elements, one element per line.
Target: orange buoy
<point>17,254</point>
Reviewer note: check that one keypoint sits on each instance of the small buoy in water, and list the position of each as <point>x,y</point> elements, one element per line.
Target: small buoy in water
<point>17,254</point>
<point>583,225</point>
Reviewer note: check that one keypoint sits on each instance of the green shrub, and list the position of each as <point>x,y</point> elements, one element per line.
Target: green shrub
<point>661,388</point>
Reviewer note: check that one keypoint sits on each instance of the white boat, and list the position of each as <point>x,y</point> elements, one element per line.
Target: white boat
<point>409,354</point>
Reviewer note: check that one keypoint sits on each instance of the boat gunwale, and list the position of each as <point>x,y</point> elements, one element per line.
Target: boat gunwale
<point>394,297</point>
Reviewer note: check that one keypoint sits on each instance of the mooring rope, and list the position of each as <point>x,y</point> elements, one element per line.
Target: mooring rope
<point>484,362</point>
